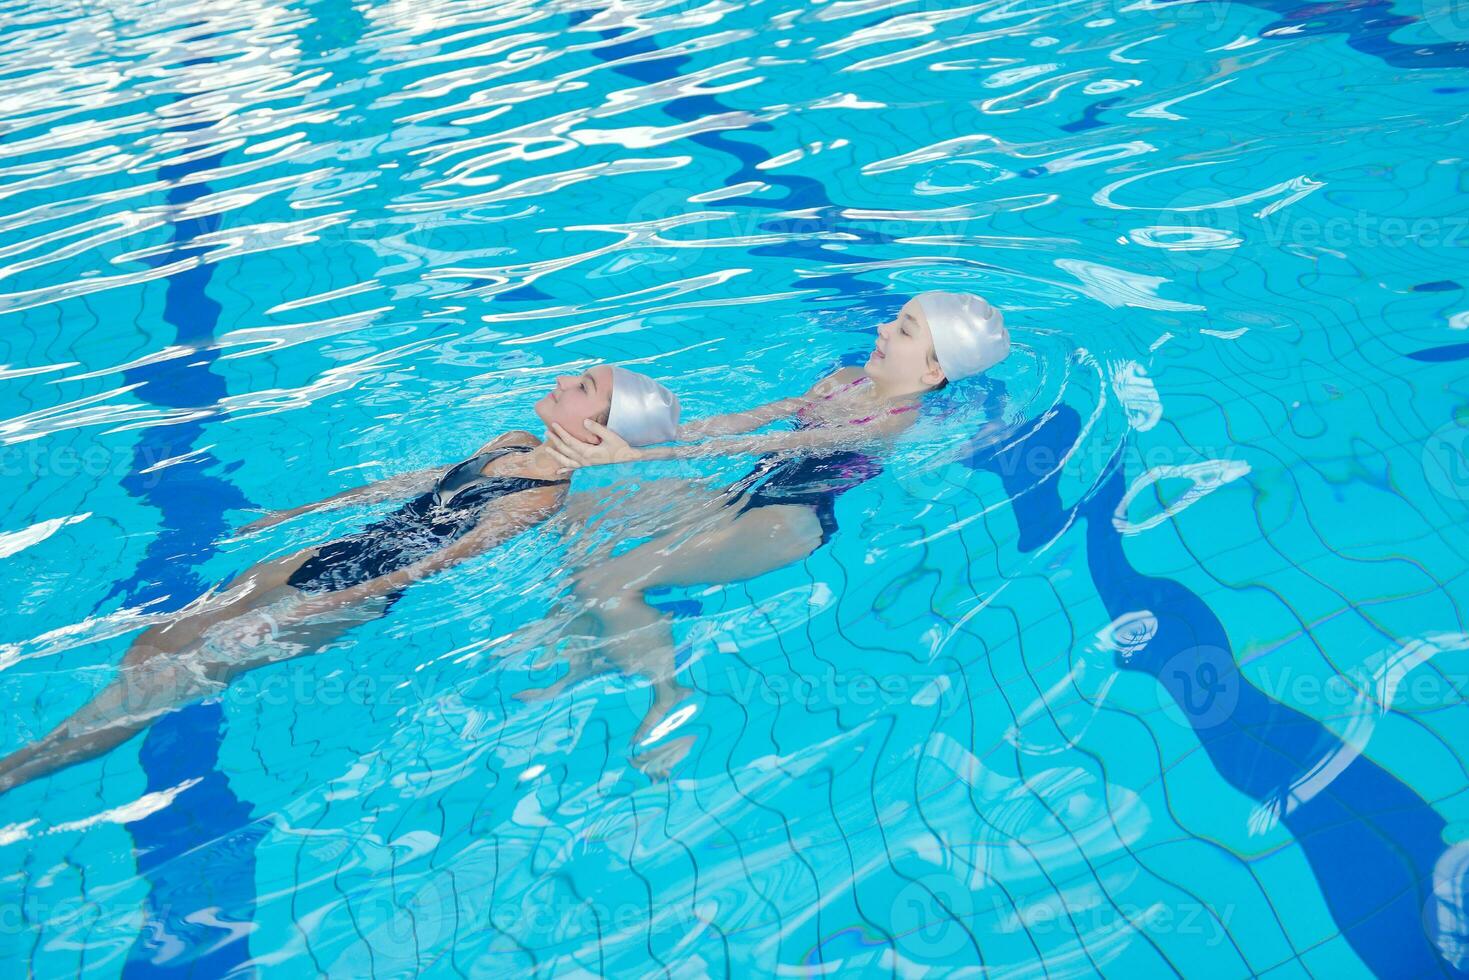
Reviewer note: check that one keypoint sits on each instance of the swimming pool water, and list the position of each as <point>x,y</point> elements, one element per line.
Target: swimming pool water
<point>1163,673</point>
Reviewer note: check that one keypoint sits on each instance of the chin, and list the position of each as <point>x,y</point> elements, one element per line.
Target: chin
<point>543,410</point>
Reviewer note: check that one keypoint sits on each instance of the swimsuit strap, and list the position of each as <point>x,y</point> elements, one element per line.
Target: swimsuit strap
<point>891,411</point>
<point>478,462</point>
<point>490,455</point>
<point>800,413</point>
<point>852,384</point>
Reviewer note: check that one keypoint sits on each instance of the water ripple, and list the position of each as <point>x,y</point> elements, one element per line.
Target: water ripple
<point>252,254</point>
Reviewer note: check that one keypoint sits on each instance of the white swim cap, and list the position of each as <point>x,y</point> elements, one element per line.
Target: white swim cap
<point>643,411</point>
<point>969,334</point>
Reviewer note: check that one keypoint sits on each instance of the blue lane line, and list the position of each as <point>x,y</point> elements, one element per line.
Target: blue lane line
<point>1448,352</point>
<point>801,192</point>
<point>199,852</point>
<point>1367,24</point>
<point>1370,840</point>
<point>1091,116</point>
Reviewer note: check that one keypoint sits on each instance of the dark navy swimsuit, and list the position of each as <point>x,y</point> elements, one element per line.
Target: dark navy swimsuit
<point>815,480</point>
<point>422,526</point>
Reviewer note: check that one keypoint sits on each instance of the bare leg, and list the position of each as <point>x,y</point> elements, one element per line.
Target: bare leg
<point>638,638</point>
<point>140,693</point>
<point>251,589</point>
<point>168,666</point>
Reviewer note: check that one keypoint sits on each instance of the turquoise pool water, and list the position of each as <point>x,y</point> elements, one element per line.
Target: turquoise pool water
<point>1164,673</point>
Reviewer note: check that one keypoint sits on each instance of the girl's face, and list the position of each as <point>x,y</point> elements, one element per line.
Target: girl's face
<point>904,354</point>
<point>577,397</point>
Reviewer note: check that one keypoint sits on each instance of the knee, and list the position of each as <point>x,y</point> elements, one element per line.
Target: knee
<point>601,586</point>
<point>792,531</point>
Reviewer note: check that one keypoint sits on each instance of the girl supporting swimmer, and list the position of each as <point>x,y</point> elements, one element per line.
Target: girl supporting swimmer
<point>784,509</point>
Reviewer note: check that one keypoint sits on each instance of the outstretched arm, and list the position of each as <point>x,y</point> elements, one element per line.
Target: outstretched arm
<point>736,423</point>
<point>612,448</point>
<point>833,437</point>
<point>392,488</point>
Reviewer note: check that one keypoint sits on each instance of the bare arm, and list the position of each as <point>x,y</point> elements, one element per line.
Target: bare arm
<point>833,437</point>
<point>392,488</point>
<point>613,449</point>
<point>738,422</point>
<point>751,419</point>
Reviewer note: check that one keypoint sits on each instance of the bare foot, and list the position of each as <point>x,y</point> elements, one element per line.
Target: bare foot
<point>658,762</point>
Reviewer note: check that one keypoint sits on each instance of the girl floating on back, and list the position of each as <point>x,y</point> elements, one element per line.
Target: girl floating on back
<point>304,600</point>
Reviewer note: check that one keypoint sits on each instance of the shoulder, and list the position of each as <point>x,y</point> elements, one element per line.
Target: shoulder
<point>515,437</point>
<point>893,423</point>
<point>528,507</point>
<point>835,380</point>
